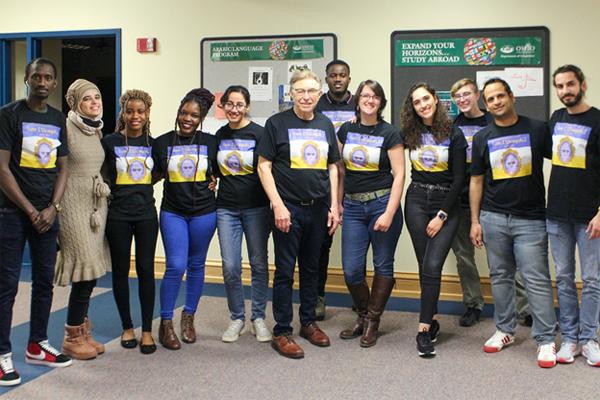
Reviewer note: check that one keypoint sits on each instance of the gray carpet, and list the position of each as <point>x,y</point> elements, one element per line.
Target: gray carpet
<point>211,369</point>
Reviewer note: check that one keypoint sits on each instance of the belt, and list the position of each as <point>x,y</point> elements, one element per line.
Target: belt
<point>430,186</point>
<point>367,196</point>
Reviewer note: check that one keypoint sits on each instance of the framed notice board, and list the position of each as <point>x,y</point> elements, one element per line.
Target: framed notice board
<point>263,64</point>
<point>441,57</point>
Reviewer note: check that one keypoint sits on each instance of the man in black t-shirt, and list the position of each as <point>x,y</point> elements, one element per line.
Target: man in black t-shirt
<point>573,215</point>
<point>507,186</point>
<point>339,106</point>
<point>297,169</point>
<point>33,174</point>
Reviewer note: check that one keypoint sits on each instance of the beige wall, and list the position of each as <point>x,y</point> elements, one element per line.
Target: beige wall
<point>363,30</point>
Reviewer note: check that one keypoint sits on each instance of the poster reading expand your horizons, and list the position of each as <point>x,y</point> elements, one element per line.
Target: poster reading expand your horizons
<point>267,50</point>
<point>469,51</point>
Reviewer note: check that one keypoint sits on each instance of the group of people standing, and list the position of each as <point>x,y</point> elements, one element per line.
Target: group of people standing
<point>330,160</point>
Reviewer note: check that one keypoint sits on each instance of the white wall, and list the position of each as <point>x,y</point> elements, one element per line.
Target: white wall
<point>363,30</point>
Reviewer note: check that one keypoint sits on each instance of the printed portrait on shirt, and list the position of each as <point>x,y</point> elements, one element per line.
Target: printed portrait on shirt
<point>39,146</point>
<point>510,156</point>
<point>338,117</point>
<point>134,165</point>
<point>187,163</point>
<point>236,156</point>
<point>308,148</point>
<point>568,144</point>
<point>361,152</point>
<point>430,156</point>
<point>469,132</point>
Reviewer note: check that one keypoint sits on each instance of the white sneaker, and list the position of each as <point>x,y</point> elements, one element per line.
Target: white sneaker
<point>233,331</point>
<point>591,351</point>
<point>498,341</point>
<point>8,375</point>
<point>260,330</point>
<point>546,357</point>
<point>567,353</point>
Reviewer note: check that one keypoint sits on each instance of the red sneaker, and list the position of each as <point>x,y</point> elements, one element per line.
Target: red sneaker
<point>41,353</point>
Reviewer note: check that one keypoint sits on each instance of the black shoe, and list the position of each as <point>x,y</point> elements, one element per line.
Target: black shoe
<point>147,348</point>
<point>528,321</point>
<point>470,317</point>
<point>434,330</point>
<point>424,345</point>
<point>129,343</point>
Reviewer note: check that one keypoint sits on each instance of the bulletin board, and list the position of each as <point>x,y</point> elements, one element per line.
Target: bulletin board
<point>263,64</point>
<point>441,57</point>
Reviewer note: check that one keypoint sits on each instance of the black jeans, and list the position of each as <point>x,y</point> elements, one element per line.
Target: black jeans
<point>303,242</point>
<point>120,235</point>
<point>79,301</point>
<point>422,205</point>
<point>324,263</point>
<point>15,230</point>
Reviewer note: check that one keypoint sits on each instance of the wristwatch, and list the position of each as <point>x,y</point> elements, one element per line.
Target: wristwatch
<point>56,206</point>
<point>442,215</point>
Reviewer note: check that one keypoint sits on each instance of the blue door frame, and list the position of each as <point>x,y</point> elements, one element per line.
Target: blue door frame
<point>34,49</point>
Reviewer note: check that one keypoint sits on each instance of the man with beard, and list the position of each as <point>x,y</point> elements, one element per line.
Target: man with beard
<point>339,106</point>
<point>573,215</point>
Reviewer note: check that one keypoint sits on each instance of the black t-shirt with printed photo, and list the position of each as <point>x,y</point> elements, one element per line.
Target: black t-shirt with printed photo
<point>512,159</point>
<point>441,164</point>
<point>337,112</point>
<point>574,189</point>
<point>365,155</point>
<point>300,151</point>
<point>35,141</point>
<point>469,127</point>
<point>239,185</point>
<point>128,167</point>
<point>186,162</point>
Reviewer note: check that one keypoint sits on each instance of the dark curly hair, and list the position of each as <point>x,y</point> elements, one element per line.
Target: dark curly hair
<point>203,97</point>
<point>412,125</point>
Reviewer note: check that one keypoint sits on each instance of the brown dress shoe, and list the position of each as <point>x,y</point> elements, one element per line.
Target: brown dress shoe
<point>167,336</point>
<point>286,346</point>
<point>188,332</point>
<point>314,334</point>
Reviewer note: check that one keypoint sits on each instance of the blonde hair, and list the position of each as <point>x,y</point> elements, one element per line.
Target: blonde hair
<point>300,75</point>
<point>462,83</point>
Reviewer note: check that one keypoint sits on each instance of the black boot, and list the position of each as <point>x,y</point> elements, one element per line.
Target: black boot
<point>380,293</point>
<point>360,297</point>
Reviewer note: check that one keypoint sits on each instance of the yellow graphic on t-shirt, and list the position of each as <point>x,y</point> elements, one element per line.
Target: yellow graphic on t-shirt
<point>568,145</point>
<point>308,148</point>
<point>430,156</point>
<point>510,156</point>
<point>134,165</point>
<point>236,157</point>
<point>361,152</point>
<point>187,163</point>
<point>39,145</point>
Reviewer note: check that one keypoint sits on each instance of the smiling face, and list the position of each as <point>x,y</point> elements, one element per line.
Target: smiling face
<point>568,88</point>
<point>136,114</point>
<point>189,118</point>
<point>338,79</point>
<point>368,103</point>
<point>305,94</point>
<point>425,104</point>
<point>235,108</point>
<point>498,101</point>
<point>466,98</point>
<point>91,104</point>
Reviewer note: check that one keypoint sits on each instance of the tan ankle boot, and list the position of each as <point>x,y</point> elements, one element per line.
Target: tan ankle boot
<point>87,330</point>
<point>188,332</point>
<point>75,346</point>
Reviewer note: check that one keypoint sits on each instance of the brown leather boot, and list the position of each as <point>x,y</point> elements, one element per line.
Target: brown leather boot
<point>74,344</point>
<point>167,336</point>
<point>380,293</point>
<point>87,330</point>
<point>188,332</point>
<point>360,297</point>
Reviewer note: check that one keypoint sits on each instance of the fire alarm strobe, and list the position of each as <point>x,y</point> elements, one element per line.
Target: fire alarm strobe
<point>146,45</point>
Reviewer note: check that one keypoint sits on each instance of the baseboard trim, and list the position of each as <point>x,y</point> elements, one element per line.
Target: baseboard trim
<point>407,283</point>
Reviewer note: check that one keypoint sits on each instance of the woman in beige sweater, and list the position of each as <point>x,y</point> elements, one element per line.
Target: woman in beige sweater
<point>83,255</point>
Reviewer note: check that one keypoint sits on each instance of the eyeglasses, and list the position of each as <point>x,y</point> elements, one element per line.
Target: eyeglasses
<point>230,106</point>
<point>463,95</point>
<point>366,96</point>
<point>302,92</point>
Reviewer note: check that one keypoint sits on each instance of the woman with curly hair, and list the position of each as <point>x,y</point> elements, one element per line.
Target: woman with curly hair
<point>186,159</point>
<point>437,156</point>
<point>131,212</point>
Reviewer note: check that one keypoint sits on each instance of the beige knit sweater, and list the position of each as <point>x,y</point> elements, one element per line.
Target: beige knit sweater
<point>84,253</point>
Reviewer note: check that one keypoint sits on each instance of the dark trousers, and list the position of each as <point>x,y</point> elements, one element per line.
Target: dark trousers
<point>324,263</point>
<point>15,230</point>
<point>303,243</point>
<point>120,235</point>
<point>79,301</point>
<point>421,206</point>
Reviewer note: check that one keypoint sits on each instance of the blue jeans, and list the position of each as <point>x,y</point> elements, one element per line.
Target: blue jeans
<point>255,225</point>
<point>15,230</point>
<point>186,241</point>
<point>513,243</point>
<point>576,323</point>
<point>303,243</point>
<point>358,234</point>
